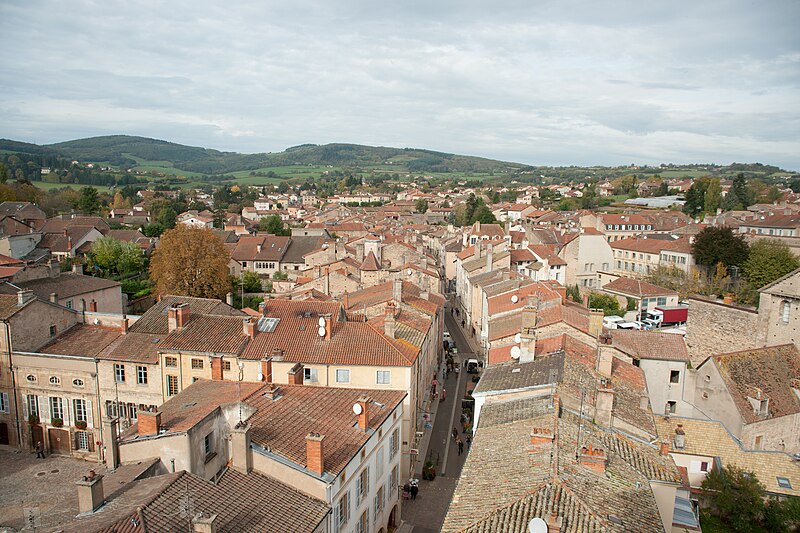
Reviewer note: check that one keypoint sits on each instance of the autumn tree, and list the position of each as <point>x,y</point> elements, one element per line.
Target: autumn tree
<point>190,262</point>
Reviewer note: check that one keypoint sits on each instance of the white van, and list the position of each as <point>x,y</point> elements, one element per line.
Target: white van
<point>612,321</point>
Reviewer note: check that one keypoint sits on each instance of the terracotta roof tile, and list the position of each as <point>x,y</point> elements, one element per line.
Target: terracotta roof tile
<point>83,340</point>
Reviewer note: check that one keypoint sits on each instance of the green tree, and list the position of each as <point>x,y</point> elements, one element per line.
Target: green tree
<point>421,205</point>
<point>116,257</point>
<point>483,215</point>
<point>740,193</point>
<point>713,197</point>
<point>663,189</point>
<point>719,244</point>
<point>769,259</point>
<point>606,302</point>
<point>736,496</point>
<point>250,281</point>
<point>273,225</point>
<point>696,197</point>
<point>89,201</point>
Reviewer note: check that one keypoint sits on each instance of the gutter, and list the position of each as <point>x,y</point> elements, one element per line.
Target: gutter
<point>13,382</point>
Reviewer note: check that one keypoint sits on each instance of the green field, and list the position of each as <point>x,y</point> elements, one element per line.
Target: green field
<point>45,185</point>
<point>145,165</point>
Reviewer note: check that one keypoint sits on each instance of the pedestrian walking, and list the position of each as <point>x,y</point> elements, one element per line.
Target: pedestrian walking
<point>460,446</point>
<point>444,393</point>
<point>414,491</point>
<point>469,441</point>
<point>434,383</point>
<point>39,450</point>
<point>455,434</point>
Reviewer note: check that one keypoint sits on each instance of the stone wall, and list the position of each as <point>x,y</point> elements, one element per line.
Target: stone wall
<point>714,328</point>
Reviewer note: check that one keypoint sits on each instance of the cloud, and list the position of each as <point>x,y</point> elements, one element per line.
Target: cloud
<point>552,82</point>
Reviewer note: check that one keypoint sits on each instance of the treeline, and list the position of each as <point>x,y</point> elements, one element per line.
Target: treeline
<point>27,167</point>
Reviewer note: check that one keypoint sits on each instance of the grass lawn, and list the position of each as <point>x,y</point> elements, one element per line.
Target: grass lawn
<point>145,165</point>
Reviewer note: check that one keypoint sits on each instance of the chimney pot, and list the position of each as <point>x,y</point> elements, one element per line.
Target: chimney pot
<point>664,448</point>
<point>363,417</point>
<point>240,448</point>
<point>249,327</point>
<point>296,374</point>
<point>593,458</point>
<point>205,524</point>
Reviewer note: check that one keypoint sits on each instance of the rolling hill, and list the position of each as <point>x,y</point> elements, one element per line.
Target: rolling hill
<point>127,152</point>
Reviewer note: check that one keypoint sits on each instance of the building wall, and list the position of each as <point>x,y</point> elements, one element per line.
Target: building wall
<point>661,390</point>
<point>771,323</point>
<point>30,329</point>
<point>591,250</point>
<point>778,434</point>
<point>712,399</point>
<point>108,301</point>
<point>129,391</point>
<point>713,328</point>
<point>167,447</point>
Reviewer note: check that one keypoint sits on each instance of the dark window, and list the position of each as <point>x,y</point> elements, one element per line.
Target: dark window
<point>674,376</point>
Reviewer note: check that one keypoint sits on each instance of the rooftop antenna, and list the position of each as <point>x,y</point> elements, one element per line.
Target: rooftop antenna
<point>239,389</point>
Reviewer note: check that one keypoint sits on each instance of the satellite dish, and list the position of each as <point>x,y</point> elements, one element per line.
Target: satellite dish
<point>321,322</point>
<point>517,337</point>
<point>260,376</point>
<point>410,271</point>
<point>357,409</point>
<point>321,331</point>
<point>515,352</point>
<point>537,525</point>
<point>514,299</point>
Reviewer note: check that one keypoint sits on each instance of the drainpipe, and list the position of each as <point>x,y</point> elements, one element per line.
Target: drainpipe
<point>99,410</point>
<point>13,382</point>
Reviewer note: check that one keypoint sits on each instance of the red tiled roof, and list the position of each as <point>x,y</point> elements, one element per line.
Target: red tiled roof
<point>272,248</point>
<point>82,340</point>
<point>208,333</point>
<point>650,344</point>
<point>370,263</point>
<point>636,288</point>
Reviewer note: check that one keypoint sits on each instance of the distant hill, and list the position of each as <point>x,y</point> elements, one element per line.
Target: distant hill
<point>124,151</point>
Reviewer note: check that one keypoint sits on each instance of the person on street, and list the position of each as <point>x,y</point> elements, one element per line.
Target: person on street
<point>434,383</point>
<point>455,434</point>
<point>39,450</point>
<point>414,491</point>
<point>444,393</point>
<point>469,441</point>
<point>460,446</point>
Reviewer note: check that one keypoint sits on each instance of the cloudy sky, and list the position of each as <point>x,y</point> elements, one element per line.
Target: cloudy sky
<point>540,82</point>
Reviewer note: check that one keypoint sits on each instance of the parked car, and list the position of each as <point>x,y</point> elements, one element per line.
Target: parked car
<point>473,366</point>
<point>611,321</point>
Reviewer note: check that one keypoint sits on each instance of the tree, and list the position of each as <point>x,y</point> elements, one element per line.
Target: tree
<point>736,496</point>
<point>273,225</point>
<point>696,197</point>
<point>116,257</point>
<point>713,196</point>
<point>769,260</point>
<point>606,302</point>
<point>421,205</point>
<point>663,189</point>
<point>250,281</point>
<point>190,262</point>
<point>718,244</point>
<point>89,202</point>
<point>740,194</point>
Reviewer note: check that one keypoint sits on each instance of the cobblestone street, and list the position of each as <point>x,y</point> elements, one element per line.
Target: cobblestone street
<point>47,485</point>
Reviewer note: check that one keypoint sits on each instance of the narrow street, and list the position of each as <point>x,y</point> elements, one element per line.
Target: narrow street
<point>426,513</point>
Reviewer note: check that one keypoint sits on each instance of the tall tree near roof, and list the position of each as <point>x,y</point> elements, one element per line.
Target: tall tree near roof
<point>191,262</point>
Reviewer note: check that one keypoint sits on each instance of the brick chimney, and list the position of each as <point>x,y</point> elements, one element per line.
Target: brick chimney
<point>149,422</point>
<point>664,447</point>
<point>177,316</point>
<point>562,291</point>
<point>328,326</point>
<point>296,374</point>
<point>315,453</point>
<point>272,392</point>
<point>593,458</point>
<point>266,370</point>
<point>554,523</point>
<point>90,493</point>
<point>541,437</point>
<point>389,324</point>
<point>363,418</point>
<point>262,308</point>
<point>346,301</point>
<point>124,325</point>
<point>249,327</point>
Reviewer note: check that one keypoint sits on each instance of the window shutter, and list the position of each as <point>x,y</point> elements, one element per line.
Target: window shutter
<point>90,437</point>
<point>74,440</point>
<point>44,410</point>
<point>89,414</point>
<point>313,375</point>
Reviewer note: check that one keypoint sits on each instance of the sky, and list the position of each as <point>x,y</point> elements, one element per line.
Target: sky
<point>537,82</point>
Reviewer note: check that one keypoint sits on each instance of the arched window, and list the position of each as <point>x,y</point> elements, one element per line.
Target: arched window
<point>55,380</point>
<point>785,307</point>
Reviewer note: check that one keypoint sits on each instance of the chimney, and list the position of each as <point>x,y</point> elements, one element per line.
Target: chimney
<point>216,368</point>
<point>346,301</point>
<point>604,404</point>
<point>241,457</point>
<point>541,437</point>
<point>326,281</point>
<point>476,252</point>
<point>229,299</point>
<point>664,447</point>
<point>272,392</point>
<point>110,442</point>
<point>54,297</point>
<point>277,354</point>
<point>77,268</point>
<point>90,493</point>
<point>328,325</point>
<point>562,291</point>
<point>296,374</point>
<point>266,370</point>
<point>593,458</point>
<point>554,523</point>
<point>605,360</point>
<point>205,524</point>
<point>586,300</point>
<point>249,327</point>
<point>149,423</point>
<point>680,438</point>
<point>125,324</point>
<point>24,296</point>
<point>360,252</point>
<point>489,257</point>
<point>258,248</point>
<point>389,324</point>
<point>595,322</point>
<point>315,453</point>
<point>397,290</point>
<point>177,315</point>
<point>262,308</point>
<point>363,417</point>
